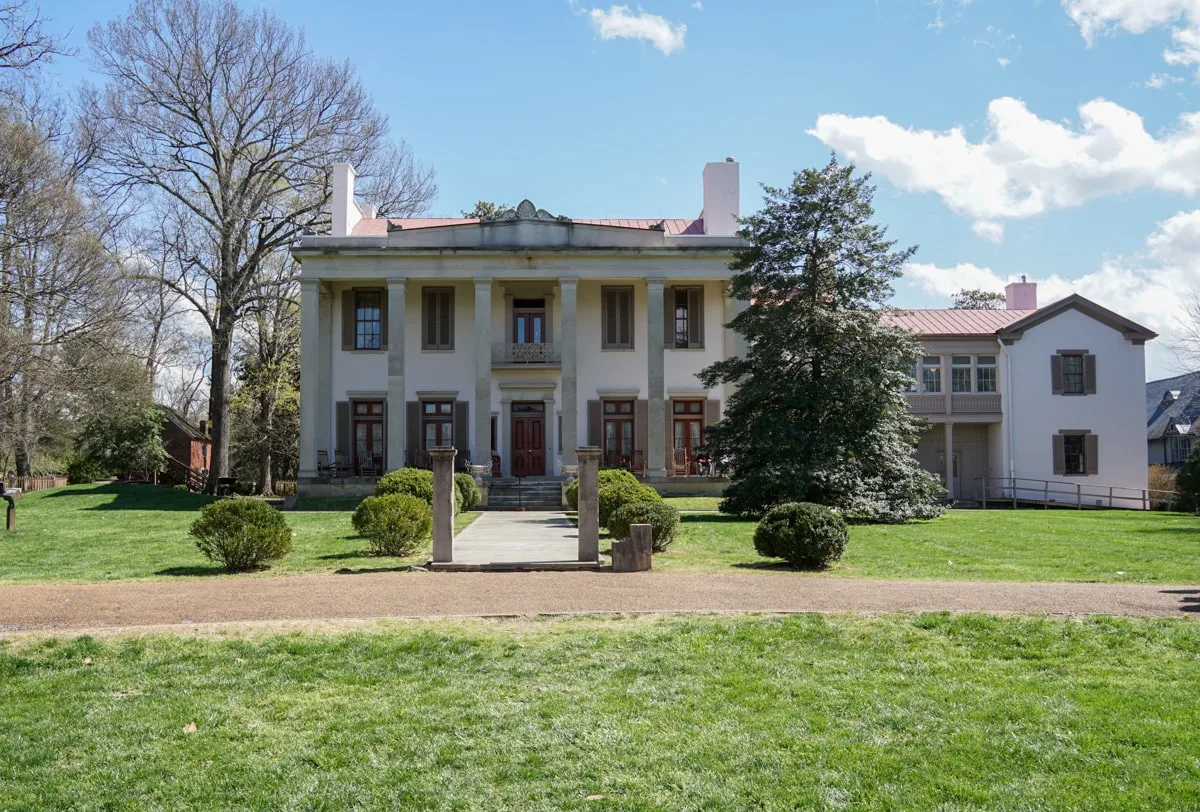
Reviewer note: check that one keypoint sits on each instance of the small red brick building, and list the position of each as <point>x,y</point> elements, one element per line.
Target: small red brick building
<point>186,442</point>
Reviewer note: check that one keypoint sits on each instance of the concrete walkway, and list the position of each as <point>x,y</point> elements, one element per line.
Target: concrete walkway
<point>511,537</point>
<point>417,594</point>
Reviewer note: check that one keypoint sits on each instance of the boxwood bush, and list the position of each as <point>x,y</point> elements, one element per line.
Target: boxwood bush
<point>803,534</point>
<point>662,518</point>
<point>606,476</point>
<point>241,534</point>
<point>622,493</point>
<point>468,492</point>
<point>416,482</point>
<point>394,524</point>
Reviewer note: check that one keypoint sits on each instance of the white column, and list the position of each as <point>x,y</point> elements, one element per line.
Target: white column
<point>324,434</point>
<point>506,435</point>
<point>570,392</point>
<point>310,389</point>
<point>656,378</point>
<point>548,439</point>
<point>395,379</point>
<point>950,459</point>
<point>481,449</point>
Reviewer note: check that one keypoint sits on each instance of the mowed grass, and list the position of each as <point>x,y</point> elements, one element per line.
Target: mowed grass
<point>121,532</point>
<point>800,712</point>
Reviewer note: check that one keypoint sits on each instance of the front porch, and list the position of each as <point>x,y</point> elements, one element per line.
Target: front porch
<point>962,454</point>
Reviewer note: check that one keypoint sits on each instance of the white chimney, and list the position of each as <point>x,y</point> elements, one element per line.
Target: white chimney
<point>345,211</point>
<point>722,198</point>
<point>1021,295</point>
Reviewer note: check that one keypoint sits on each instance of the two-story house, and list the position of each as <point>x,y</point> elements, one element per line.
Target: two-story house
<point>1172,419</point>
<point>516,338</point>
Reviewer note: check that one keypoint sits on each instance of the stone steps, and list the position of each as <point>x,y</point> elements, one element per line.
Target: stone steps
<point>540,493</point>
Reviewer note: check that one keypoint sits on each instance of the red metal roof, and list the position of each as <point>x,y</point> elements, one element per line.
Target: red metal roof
<point>952,322</point>
<point>378,226</point>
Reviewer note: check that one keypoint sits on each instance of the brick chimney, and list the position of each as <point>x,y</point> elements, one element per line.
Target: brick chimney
<point>722,198</point>
<point>1021,295</point>
<point>345,211</point>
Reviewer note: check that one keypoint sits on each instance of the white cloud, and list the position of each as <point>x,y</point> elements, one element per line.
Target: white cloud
<point>1024,165</point>
<point>1003,62</point>
<point>1098,17</point>
<point>620,22</point>
<point>1150,288</point>
<point>1158,81</point>
<point>698,5</point>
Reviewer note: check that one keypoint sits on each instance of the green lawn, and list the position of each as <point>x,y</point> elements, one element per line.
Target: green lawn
<point>975,545</point>
<point>801,712</point>
<point>686,503</point>
<point>108,532</point>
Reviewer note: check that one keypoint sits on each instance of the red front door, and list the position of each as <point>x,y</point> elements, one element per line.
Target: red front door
<point>528,439</point>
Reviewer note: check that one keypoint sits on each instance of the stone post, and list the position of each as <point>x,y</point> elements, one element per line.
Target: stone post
<point>589,502</point>
<point>310,340</point>
<point>443,504</point>
<point>570,407</point>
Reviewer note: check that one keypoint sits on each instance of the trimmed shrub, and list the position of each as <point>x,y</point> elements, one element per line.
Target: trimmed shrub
<point>573,494</point>
<point>619,494</point>
<point>613,478</point>
<point>241,534</point>
<point>468,492</point>
<point>394,524</point>
<point>83,471</point>
<point>606,476</point>
<point>804,534</point>
<point>416,482</point>
<point>662,518</point>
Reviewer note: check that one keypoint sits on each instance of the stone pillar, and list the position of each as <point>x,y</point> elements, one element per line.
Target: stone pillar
<point>656,415</point>
<point>549,439</point>
<point>395,377</point>
<point>570,391</point>
<point>505,429</point>
<point>443,504</point>
<point>589,502</point>
<point>481,451</point>
<point>950,459</point>
<point>324,436</point>
<point>310,388</point>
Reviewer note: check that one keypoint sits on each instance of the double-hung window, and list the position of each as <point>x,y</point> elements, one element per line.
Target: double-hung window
<point>368,319</point>
<point>1072,374</point>
<point>1074,452</point>
<point>687,320</point>
<point>960,373</point>
<point>931,374</point>
<point>985,373</point>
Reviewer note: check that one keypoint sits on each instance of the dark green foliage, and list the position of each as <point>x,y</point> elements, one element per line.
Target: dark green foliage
<point>241,534</point>
<point>976,299</point>
<point>619,493</point>
<point>395,524</point>
<point>606,476</point>
<point>416,482</point>
<point>1187,484</point>
<point>573,494</point>
<point>83,470</point>
<point>468,492</point>
<point>803,534</point>
<point>125,441</point>
<point>662,518</point>
<point>819,413</point>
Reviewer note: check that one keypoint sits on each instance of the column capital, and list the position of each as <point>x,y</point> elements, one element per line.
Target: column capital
<point>482,281</point>
<point>568,281</point>
<point>397,282</point>
<point>310,285</point>
<point>656,281</point>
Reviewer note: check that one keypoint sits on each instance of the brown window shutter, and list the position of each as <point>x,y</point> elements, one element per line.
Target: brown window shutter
<point>1056,387</point>
<point>669,318</point>
<point>1089,374</point>
<point>342,434</point>
<point>712,412</point>
<point>641,423</point>
<point>593,417</point>
<point>446,319</point>
<point>624,301</point>
<point>428,322</point>
<point>1060,455</point>
<point>348,321</point>
<point>383,319</point>
<point>1091,454</point>
<point>608,327</point>
<point>412,428</point>
<point>462,431</point>
<point>696,317</point>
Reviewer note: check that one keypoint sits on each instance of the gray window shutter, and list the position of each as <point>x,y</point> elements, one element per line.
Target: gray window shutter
<point>1056,387</point>
<point>593,417</point>
<point>342,434</point>
<point>712,412</point>
<point>348,320</point>
<point>696,317</point>
<point>1060,455</point>
<point>446,319</point>
<point>462,416</point>
<point>1091,454</point>
<point>669,318</point>
<point>641,424</point>
<point>383,319</point>
<point>625,317</point>
<point>1089,374</point>
<point>428,322</point>
<point>412,427</point>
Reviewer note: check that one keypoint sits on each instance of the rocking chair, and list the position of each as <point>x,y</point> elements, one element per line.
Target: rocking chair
<point>679,466</point>
<point>324,469</point>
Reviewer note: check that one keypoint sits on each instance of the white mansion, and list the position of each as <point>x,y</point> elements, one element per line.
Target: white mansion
<point>520,337</point>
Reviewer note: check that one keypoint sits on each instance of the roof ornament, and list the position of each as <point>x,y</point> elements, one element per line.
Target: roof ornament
<point>525,211</point>
<point>394,226</point>
<point>661,225</point>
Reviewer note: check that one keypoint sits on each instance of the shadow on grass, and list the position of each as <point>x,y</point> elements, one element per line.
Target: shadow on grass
<point>345,556</point>
<point>711,518</point>
<point>773,566</point>
<point>135,496</point>
<point>369,570</point>
<point>192,571</point>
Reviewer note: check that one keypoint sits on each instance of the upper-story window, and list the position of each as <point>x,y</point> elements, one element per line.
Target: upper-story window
<point>931,374</point>
<point>1074,455</point>
<point>911,384</point>
<point>686,327</point>
<point>985,373</point>
<point>1179,449</point>
<point>437,319</point>
<point>616,318</point>
<point>960,373</point>
<point>368,319</point>
<point>1073,372</point>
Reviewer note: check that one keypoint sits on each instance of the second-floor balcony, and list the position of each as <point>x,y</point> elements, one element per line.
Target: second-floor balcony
<point>959,403</point>
<point>539,354</point>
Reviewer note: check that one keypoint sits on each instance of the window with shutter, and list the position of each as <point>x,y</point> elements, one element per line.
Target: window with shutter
<point>437,319</point>
<point>1072,375</point>
<point>616,318</point>
<point>368,319</point>
<point>687,315</point>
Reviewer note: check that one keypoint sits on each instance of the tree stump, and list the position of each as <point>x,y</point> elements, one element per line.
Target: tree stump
<point>634,555</point>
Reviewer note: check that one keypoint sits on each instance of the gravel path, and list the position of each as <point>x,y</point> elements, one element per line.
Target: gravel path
<point>417,594</point>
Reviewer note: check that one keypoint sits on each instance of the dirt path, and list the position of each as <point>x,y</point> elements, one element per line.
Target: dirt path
<point>381,595</point>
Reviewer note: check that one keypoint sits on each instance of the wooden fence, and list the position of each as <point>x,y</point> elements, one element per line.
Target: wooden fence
<point>33,483</point>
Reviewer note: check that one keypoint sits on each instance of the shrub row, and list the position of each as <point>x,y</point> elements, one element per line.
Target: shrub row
<point>418,482</point>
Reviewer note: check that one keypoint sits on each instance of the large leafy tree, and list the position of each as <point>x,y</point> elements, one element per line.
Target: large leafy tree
<point>976,299</point>
<point>819,413</point>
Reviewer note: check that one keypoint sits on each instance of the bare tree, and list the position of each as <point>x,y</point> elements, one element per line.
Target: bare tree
<point>1186,342</point>
<point>227,115</point>
<point>23,40</point>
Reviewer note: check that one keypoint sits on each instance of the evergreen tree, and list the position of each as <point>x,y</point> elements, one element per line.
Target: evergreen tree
<point>819,412</point>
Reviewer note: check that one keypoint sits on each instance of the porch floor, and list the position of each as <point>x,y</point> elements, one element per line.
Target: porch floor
<point>517,540</point>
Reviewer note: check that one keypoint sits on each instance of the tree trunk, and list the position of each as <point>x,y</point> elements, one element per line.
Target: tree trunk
<point>266,485</point>
<point>218,401</point>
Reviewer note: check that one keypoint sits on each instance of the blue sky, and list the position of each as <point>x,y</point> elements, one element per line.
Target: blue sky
<point>605,111</point>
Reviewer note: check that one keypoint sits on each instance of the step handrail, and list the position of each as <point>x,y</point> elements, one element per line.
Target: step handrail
<point>1025,489</point>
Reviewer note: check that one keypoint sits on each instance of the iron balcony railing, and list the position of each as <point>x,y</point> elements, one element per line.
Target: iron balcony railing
<point>545,353</point>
